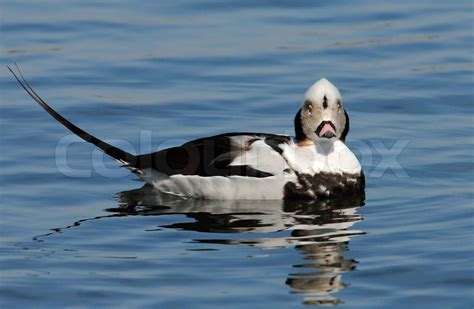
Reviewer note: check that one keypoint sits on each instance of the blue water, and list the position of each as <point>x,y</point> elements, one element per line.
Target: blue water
<point>151,75</point>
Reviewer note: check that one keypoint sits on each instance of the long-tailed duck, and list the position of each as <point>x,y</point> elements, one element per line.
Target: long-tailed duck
<point>315,164</point>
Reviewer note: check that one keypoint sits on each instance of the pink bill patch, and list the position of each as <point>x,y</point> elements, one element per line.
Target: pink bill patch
<point>326,128</point>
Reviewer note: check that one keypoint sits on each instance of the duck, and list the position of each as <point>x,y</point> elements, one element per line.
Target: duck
<point>315,164</point>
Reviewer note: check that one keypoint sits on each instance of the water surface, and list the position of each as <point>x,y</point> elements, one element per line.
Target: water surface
<point>152,75</point>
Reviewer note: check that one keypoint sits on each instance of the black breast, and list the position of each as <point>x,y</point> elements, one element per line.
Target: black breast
<point>325,185</point>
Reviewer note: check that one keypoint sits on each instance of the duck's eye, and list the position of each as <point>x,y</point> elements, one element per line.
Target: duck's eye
<point>308,105</point>
<point>339,105</point>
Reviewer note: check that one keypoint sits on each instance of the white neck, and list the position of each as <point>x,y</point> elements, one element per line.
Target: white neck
<point>324,157</point>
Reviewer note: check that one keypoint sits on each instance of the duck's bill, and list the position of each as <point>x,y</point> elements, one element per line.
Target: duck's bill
<point>326,130</point>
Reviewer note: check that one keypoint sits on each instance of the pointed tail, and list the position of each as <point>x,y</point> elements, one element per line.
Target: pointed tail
<point>127,159</point>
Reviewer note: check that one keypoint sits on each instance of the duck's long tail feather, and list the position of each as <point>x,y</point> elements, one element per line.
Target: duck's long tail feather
<point>126,159</point>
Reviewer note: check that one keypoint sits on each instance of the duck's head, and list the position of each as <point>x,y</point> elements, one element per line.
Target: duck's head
<point>322,116</point>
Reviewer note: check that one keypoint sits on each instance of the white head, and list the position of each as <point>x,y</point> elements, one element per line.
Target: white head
<point>322,116</point>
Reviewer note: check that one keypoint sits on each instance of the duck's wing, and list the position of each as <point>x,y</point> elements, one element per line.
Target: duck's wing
<point>244,154</point>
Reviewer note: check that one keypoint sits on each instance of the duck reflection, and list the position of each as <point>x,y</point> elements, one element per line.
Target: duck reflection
<point>319,230</point>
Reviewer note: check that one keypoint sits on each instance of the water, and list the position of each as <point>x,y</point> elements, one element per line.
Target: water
<point>158,74</point>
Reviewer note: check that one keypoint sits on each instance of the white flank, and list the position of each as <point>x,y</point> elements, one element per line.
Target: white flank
<point>220,187</point>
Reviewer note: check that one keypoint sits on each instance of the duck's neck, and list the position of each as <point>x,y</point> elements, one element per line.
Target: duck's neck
<point>305,142</point>
<point>299,134</point>
<point>326,147</point>
<point>322,146</point>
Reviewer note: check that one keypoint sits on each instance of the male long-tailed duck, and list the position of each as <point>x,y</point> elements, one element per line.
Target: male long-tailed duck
<point>315,164</point>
